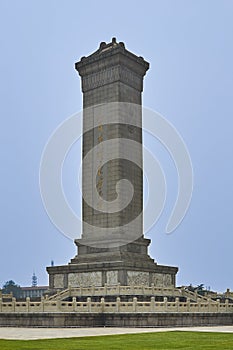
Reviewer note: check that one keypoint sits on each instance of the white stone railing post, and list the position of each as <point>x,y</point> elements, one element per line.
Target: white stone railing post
<point>118,303</point>
<point>89,304</point>
<point>69,290</point>
<point>218,305</point>
<point>93,290</point>
<point>199,305</point>
<point>165,303</point>
<point>42,304</point>
<point>102,303</point>
<point>143,289</point>
<point>152,304</point>
<point>58,302</point>
<point>13,304</point>
<point>152,288</point>
<point>132,289</point>
<point>177,301</point>
<point>209,304</point>
<point>74,304</point>
<point>227,304</point>
<point>188,304</point>
<point>135,304</point>
<point>28,304</point>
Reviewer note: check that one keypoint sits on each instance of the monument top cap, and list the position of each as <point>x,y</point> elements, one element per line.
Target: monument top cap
<point>109,54</point>
<point>112,44</point>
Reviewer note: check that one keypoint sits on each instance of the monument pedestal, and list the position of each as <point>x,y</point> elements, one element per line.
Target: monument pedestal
<point>127,264</point>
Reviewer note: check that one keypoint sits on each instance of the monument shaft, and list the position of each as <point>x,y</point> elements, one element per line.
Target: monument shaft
<point>111,75</point>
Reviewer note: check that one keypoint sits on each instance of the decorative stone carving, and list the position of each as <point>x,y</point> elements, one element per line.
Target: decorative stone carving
<point>112,277</point>
<point>157,279</point>
<point>162,280</point>
<point>110,75</point>
<point>137,278</point>
<point>167,280</point>
<point>86,279</point>
<point>59,281</point>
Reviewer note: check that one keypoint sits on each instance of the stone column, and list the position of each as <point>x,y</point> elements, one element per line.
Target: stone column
<point>111,74</point>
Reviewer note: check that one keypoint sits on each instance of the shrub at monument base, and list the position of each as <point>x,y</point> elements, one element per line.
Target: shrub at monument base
<point>165,341</point>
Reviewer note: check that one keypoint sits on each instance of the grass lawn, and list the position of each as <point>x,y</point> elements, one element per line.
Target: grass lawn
<point>164,340</point>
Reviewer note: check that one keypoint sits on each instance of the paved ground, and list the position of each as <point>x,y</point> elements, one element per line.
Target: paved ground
<point>45,333</point>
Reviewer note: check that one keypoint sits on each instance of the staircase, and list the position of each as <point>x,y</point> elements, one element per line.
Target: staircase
<point>118,291</point>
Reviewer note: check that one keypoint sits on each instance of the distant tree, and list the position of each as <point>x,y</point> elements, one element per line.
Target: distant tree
<point>200,287</point>
<point>11,287</point>
<point>191,288</point>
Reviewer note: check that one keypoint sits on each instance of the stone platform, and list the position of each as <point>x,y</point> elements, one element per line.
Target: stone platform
<point>126,265</point>
<point>115,320</point>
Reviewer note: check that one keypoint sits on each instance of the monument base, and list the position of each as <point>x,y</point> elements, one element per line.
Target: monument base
<point>127,264</point>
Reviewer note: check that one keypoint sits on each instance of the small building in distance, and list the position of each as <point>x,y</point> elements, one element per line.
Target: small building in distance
<point>33,292</point>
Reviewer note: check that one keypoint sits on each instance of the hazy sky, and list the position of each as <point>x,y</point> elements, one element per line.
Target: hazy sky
<point>190,82</point>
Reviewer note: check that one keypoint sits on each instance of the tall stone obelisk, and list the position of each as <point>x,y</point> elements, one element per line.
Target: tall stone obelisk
<point>111,75</point>
<point>112,248</point>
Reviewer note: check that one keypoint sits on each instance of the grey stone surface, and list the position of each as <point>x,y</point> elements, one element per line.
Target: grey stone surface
<point>75,319</point>
<point>58,281</point>
<point>111,74</point>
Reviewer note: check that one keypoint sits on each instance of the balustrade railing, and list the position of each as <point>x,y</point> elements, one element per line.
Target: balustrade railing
<point>116,290</point>
<point>46,305</point>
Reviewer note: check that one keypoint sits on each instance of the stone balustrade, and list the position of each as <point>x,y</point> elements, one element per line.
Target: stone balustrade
<point>6,296</point>
<point>132,290</point>
<point>115,290</point>
<point>46,305</point>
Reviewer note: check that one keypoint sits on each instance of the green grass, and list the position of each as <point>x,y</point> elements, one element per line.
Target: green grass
<point>142,341</point>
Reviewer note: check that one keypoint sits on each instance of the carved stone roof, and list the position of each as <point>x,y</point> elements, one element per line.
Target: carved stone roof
<point>109,55</point>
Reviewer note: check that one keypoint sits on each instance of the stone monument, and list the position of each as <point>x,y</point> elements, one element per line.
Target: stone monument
<point>112,76</point>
